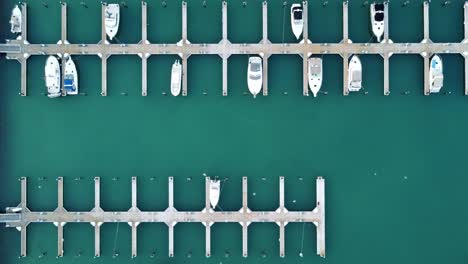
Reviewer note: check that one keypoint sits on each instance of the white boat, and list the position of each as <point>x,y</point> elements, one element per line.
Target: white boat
<point>215,189</point>
<point>436,74</point>
<point>377,20</point>
<point>176,78</point>
<point>255,75</point>
<point>354,74</point>
<point>70,79</point>
<point>52,77</point>
<point>15,20</point>
<point>297,23</point>
<point>112,20</point>
<point>315,75</point>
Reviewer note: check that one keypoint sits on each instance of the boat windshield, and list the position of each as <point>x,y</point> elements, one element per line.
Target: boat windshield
<point>255,76</point>
<point>297,14</point>
<point>379,17</point>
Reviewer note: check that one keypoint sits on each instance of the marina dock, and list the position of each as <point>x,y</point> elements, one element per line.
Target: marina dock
<point>20,217</point>
<point>20,49</point>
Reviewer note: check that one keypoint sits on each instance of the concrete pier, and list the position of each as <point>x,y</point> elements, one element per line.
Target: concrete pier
<point>170,216</point>
<point>97,225</point>
<point>20,49</point>
<point>144,41</point>
<point>386,56</point>
<point>63,41</point>
<point>426,55</point>
<point>265,55</point>
<point>184,42</point>
<point>345,55</point>
<point>223,43</point>
<point>305,55</point>
<point>465,54</point>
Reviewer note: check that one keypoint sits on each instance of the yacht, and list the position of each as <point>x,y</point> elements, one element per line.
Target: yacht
<point>254,75</point>
<point>215,189</point>
<point>15,20</point>
<point>315,75</point>
<point>52,77</point>
<point>377,20</point>
<point>297,23</point>
<point>112,20</point>
<point>70,79</point>
<point>436,74</point>
<point>176,78</point>
<point>354,74</point>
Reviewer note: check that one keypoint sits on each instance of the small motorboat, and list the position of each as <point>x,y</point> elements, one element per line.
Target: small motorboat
<point>176,78</point>
<point>354,74</point>
<point>255,75</point>
<point>215,189</point>
<point>52,77</point>
<point>112,20</point>
<point>436,74</point>
<point>297,23</point>
<point>15,20</point>
<point>315,75</point>
<point>70,79</point>
<point>377,20</point>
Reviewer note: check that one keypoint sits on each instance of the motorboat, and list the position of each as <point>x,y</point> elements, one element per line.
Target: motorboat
<point>255,75</point>
<point>354,74</point>
<point>215,190</point>
<point>52,77</point>
<point>297,22</point>
<point>436,74</point>
<point>315,75</point>
<point>112,19</point>
<point>377,12</point>
<point>70,79</point>
<point>16,20</point>
<point>176,78</point>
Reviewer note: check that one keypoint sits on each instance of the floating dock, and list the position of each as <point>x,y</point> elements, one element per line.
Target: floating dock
<point>20,217</point>
<point>20,49</point>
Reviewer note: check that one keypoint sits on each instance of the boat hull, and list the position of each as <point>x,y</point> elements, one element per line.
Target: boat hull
<point>16,20</point>
<point>176,78</point>
<point>71,77</point>
<point>297,25</point>
<point>315,75</point>
<point>112,20</point>
<point>378,27</point>
<point>436,74</point>
<point>215,191</point>
<point>255,75</point>
<point>52,77</point>
<point>354,74</point>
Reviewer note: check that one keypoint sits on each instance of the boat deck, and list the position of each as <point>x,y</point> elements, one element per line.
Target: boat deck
<point>21,49</point>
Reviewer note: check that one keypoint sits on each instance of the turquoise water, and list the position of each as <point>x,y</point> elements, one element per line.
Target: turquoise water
<point>394,165</point>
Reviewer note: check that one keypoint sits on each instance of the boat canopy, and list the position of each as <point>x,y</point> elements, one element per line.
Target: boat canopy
<point>379,7</point>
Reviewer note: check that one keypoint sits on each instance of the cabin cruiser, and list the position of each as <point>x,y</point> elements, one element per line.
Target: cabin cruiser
<point>52,77</point>
<point>377,12</point>
<point>315,75</point>
<point>176,78</point>
<point>215,190</point>
<point>255,75</point>
<point>436,74</point>
<point>297,23</point>
<point>112,19</point>
<point>16,20</point>
<point>354,74</point>
<point>70,79</point>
